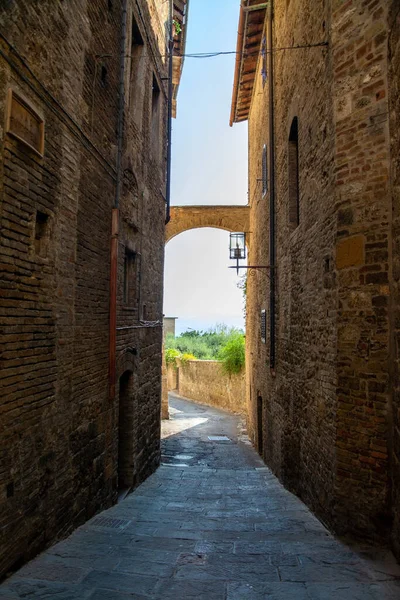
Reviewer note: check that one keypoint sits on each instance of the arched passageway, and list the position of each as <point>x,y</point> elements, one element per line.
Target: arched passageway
<point>229,218</point>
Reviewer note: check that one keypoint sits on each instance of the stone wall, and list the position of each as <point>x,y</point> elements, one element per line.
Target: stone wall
<point>63,445</point>
<point>362,258</point>
<point>394,112</point>
<point>172,378</point>
<point>321,418</point>
<point>204,381</point>
<point>292,409</point>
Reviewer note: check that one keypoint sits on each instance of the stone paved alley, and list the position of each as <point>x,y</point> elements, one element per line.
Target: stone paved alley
<point>211,523</point>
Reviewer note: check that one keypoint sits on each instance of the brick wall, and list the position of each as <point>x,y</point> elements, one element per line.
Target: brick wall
<point>325,410</point>
<point>60,432</point>
<point>296,403</point>
<point>359,42</point>
<point>394,107</point>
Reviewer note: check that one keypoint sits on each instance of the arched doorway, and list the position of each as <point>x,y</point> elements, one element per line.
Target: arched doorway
<point>125,432</point>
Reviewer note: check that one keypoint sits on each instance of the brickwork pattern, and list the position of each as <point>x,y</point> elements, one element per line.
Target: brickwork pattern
<point>363,210</point>
<point>394,108</point>
<point>325,411</point>
<point>298,401</point>
<point>59,429</point>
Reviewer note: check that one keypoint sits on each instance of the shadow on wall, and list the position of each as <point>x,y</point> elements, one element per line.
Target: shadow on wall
<point>205,381</point>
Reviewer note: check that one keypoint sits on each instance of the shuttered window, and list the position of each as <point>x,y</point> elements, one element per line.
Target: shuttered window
<point>265,170</point>
<point>263,328</point>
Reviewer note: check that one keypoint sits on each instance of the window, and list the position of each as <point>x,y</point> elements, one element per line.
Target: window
<point>24,123</point>
<point>41,234</point>
<point>130,278</point>
<point>293,174</point>
<point>155,116</point>
<point>265,170</point>
<point>135,71</point>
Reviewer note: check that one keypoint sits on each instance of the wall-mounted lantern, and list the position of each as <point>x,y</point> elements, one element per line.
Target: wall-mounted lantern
<point>237,251</point>
<point>237,248</point>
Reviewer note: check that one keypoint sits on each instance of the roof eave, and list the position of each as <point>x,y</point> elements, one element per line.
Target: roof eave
<point>251,7</point>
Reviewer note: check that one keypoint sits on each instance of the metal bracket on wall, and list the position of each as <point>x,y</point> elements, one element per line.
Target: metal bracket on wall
<point>252,269</point>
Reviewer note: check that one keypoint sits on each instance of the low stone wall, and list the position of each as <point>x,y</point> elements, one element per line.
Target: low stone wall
<point>204,381</point>
<point>172,378</point>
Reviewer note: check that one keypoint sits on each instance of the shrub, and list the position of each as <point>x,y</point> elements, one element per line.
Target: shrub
<point>203,345</point>
<point>232,355</point>
<point>171,355</point>
<point>186,357</point>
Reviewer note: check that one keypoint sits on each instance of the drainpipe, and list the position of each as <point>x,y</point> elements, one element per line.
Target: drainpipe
<point>170,99</point>
<point>115,211</point>
<point>272,247</point>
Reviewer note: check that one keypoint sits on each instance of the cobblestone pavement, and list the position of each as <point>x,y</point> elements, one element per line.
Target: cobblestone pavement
<point>211,523</point>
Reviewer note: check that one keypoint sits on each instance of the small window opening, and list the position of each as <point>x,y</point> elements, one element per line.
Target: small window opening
<point>137,39</point>
<point>155,115</point>
<point>293,174</point>
<point>265,170</point>
<point>41,233</point>
<point>135,72</point>
<point>10,490</point>
<point>110,5</point>
<point>130,278</point>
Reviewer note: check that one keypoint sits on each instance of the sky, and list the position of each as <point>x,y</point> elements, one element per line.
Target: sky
<point>209,166</point>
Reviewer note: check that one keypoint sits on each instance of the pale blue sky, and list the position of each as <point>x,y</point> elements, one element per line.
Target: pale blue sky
<point>209,167</point>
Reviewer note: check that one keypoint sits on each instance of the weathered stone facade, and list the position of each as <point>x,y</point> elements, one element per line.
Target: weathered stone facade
<point>205,381</point>
<point>322,416</point>
<point>394,113</point>
<point>66,445</point>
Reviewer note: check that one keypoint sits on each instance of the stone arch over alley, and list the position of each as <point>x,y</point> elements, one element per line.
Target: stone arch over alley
<point>184,218</point>
<point>229,218</point>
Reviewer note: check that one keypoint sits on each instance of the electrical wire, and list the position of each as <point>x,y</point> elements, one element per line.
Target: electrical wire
<point>203,55</point>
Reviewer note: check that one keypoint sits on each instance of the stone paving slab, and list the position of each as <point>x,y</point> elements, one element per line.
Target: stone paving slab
<point>221,528</point>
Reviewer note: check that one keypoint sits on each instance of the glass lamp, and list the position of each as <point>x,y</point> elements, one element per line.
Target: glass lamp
<point>237,246</point>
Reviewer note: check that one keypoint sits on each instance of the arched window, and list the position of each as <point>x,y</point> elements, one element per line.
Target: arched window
<point>293,174</point>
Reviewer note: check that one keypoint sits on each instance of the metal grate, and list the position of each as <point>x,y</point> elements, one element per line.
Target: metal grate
<point>218,438</point>
<point>109,523</point>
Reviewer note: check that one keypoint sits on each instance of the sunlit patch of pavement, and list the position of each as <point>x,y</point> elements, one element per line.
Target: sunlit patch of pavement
<point>212,523</point>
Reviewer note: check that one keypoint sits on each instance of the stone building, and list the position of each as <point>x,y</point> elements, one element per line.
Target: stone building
<point>169,325</point>
<point>83,105</point>
<point>319,85</point>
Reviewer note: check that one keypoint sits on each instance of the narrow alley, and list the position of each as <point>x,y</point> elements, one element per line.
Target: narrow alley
<point>211,523</point>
